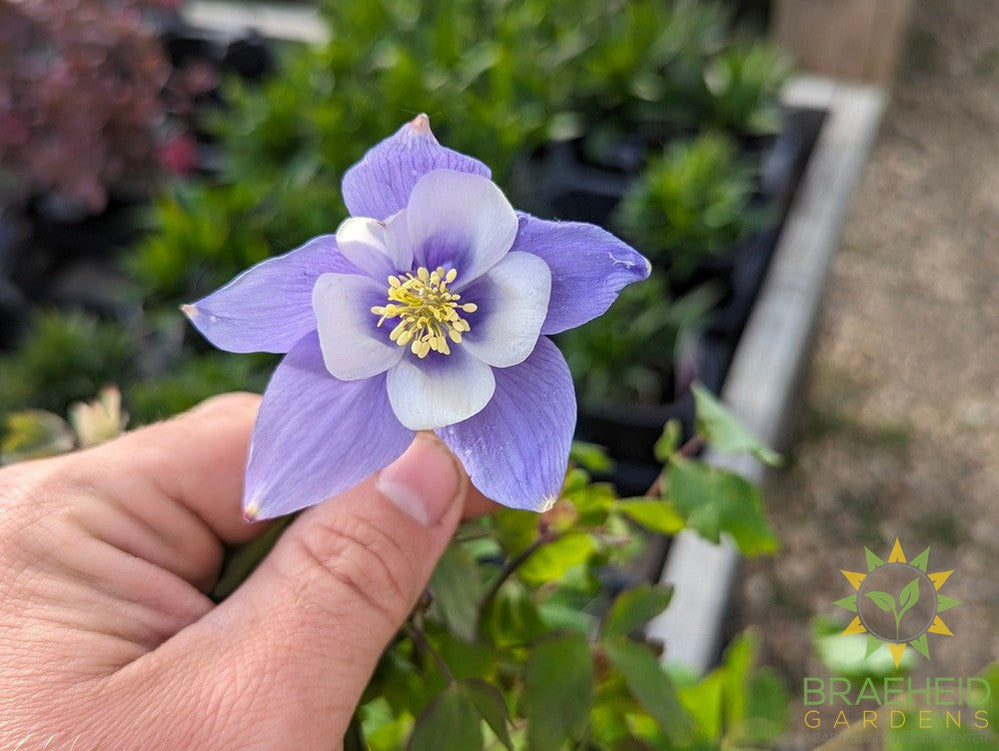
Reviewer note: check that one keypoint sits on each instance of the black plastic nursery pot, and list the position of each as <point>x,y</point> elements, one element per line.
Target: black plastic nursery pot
<point>566,185</point>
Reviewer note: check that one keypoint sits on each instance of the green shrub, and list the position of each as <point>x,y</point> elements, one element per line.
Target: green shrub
<point>626,355</point>
<point>692,201</point>
<point>194,379</point>
<point>744,83</point>
<point>64,358</point>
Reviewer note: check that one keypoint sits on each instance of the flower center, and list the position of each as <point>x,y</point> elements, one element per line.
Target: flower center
<point>428,311</point>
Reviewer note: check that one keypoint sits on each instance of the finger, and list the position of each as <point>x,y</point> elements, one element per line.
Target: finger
<point>289,654</point>
<point>197,460</point>
<point>476,504</point>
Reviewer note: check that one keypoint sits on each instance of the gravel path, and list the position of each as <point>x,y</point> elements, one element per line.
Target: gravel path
<point>900,433</point>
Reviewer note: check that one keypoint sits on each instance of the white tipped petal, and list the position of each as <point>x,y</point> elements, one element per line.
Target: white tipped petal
<point>371,246</point>
<point>460,220</point>
<point>513,304</point>
<point>439,390</point>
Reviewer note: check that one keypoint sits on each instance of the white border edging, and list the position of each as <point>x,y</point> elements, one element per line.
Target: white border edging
<point>296,23</point>
<point>772,354</point>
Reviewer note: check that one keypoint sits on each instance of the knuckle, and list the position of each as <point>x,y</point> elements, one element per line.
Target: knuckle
<point>360,561</point>
<point>237,401</point>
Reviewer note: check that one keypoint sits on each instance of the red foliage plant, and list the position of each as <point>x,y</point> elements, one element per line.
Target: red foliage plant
<point>80,82</point>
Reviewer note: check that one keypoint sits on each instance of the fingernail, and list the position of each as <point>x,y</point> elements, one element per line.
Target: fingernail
<point>423,482</point>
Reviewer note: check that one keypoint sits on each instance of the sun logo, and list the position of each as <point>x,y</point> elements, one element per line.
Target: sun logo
<point>897,603</point>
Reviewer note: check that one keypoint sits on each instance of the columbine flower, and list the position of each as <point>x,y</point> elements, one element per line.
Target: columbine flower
<point>427,310</point>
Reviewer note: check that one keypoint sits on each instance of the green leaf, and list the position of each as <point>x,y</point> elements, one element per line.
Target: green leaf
<point>512,618</point>
<point>723,431</point>
<point>703,702</point>
<point>558,691</point>
<point>457,589</point>
<point>656,516</point>
<point>552,561</point>
<point>489,703</point>
<point>714,501</point>
<point>635,607</point>
<point>669,441</point>
<point>649,684</point>
<point>755,703</point>
<point>590,456</point>
<point>449,723</point>
<point>908,597</point>
<point>516,530</point>
<point>883,600</point>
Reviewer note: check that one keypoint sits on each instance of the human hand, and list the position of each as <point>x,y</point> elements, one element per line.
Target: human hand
<point>107,637</point>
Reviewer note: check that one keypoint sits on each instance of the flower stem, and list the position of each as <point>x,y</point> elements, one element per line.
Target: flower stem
<point>689,448</point>
<point>353,739</point>
<point>511,567</point>
<point>420,640</point>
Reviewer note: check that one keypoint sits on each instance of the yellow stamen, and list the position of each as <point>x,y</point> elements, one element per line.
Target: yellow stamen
<point>429,313</point>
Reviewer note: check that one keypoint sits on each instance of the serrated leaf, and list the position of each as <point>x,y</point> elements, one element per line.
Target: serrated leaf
<point>635,607</point>
<point>714,501</point>
<point>649,684</point>
<point>449,723</point>
<point>724,432</point>
<point>656,516</point>
<point>457,589</point>
<point>883,600</point>
<point>558,691</point>
<point>552,561</point>
<point>489,703</point>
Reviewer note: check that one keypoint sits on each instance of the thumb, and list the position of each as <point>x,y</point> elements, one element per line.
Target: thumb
<point>289,654</point>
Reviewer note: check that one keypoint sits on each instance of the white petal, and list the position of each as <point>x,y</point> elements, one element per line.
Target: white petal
<point>513,304</point>
<point>352,344</point>
<point>397,242</point>
<point>439,390</point>
<point>461,221</point>
<point>362,241</point>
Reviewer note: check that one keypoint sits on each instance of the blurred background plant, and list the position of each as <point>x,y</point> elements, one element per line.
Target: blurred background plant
<point>693,201</point>
<point>80,108</point>
<point>626,356</point>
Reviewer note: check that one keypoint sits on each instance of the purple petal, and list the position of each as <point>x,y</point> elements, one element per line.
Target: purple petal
<point>353,344</point>
<point>512,300</point>
<point>379,185</point>
<point>589,268</point>
<point>516,450</point>
<point>268,308</point>
<point>459,221</point>
<point>317,436</point>
<point>439,389</point>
